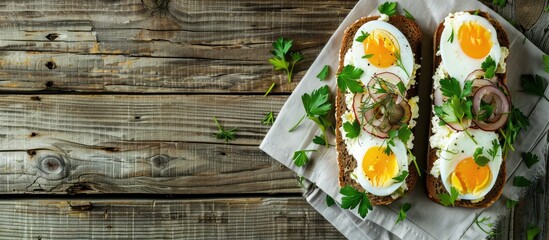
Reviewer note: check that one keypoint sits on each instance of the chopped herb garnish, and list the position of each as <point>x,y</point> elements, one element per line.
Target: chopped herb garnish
<point>388,8</point>
<point>451,38</point>
<point>319,140</point>
<point>353,198</point>
<point>532,232</point>
<point>534,85</point>
<point>270,89</point>
<point>458,107</point>
<point>352,130</point>
<point>317,106</point>
<point>367,56</point>
<point>476,12</point>
<point>530,159</point>
<point>348,78</point>
<point>401,177</point>
<point>402,214</point>
<point>300,157</point>
<point>485,222</point>
<point>281,49</point>
<point>362,37</point>
<point>520,181</point>
<point>510,203</point>
<point>516,122</point>
<point>546,59</point>
<point>449,199</point>
<point>226,135</point>
<point>329,201</point>
<point>489,67</point>
<point>268,119</point>
<point>400,64</point>
<point>492,152</point>
<point>323,74</point>
<point>300,181</point>
<point>408,14</point>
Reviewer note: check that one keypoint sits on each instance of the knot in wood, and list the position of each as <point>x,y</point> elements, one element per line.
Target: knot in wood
<point>160,161</point>
<point>52,36</point>
<point>51,65</point>
<point>52,165</point>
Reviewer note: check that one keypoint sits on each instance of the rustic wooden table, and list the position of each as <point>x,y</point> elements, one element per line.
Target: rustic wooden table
<point>106,114</point>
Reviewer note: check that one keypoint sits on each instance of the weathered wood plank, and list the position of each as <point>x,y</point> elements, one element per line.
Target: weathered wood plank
<point>213,46</point>
<point>244,218</point>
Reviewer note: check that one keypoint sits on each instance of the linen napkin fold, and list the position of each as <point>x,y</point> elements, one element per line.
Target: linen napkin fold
<point>426,219</point>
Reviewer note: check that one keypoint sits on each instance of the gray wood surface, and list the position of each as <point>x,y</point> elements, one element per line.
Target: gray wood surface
<point>115,99</point>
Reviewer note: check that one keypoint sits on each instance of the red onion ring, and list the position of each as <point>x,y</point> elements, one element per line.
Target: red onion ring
<point>501,106</point>
<point>386,76</point>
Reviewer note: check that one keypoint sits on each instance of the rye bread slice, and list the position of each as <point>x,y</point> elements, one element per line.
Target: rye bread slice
<point>347,162</point>
<point>434,185</point>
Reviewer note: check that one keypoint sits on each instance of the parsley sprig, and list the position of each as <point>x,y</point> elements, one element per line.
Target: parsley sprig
<point>532,232</point>
<point>403,134</point>
<point>401,177</point>
<point>534,85</point>
<point>485,222</point>
<point>546,58</point>
<point>530,159</point>
<point>281,50</point>
<point>489,67</point>
<point>353,198</point>
<point>520,181</point>
<point>451,38</point>
<point>227,135</point>
<point>482,160</point>
<point>516,122</point>
<point>388,8</point>
<point>362,37</point>
<point>449,199</point>
<point>510,203</point>
<point>268,119</point>
<point>348,78</point>
<point>317,106</point>
<point>458,107</point>
<point>323,74</point>
<point>402,214</point>
<point>400,64</point>
<point>352,130</point>
<point>300,157</point>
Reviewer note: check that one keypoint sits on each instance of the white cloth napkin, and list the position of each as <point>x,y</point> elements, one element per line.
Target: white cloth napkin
<point>425,220</point>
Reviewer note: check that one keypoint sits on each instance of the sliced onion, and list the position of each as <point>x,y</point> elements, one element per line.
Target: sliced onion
<point>357,102</point>
<point>501,107</point>
<point>478,83</point>
<point>388,77</point>
<point>378,123</point>
<point>457,127</point>
<point>479,74</point>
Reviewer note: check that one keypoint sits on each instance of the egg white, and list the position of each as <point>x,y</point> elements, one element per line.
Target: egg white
<point>461,146</point>
<point>457,63</point>
<point>406,53</point>
<point>367,141</point>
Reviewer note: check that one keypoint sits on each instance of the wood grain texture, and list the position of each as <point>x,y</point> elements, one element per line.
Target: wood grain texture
<point>158,46</point>
<point>244,218</point>
<point>136,144</point>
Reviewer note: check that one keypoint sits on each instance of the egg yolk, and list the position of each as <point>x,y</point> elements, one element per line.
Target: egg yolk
<point>383,48</point>
<point>470,178</point>
<point>474,39</point>
<point>379,167</point>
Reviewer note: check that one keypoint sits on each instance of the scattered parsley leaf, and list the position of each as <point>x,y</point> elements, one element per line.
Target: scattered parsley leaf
<point>449,199</point>
<point>269,90</point>
<point>451,38</point>
<point>281,48</point>
<point>534,85</point>
<point>362,37</point>
<point>546,58</point>
<point>520,181</point>
<point>353,198</point>
<point>300,157</point>
<point>408,14</point>
<point>268,119</point>
<point>485,112</point>
<point>226,135</point>
<point>479,159</point>
<point>489,67</point>
<point>329,201</point>
<point>450,87</point>
<point>402,214</point>
<point>348,78</point>
<point>319,140</point>
<point>401,177</point>
<point>300,181</point>
<point>510,203</point>
<point>499,3</point>
<point>401,88</point>
<point>323,74</point>
<point>516,122</point>
<point>388,8</point>
<point>532,232</point>
<point>530,159</point>
<point>367,56</point>
<point>476,12</point>
<point>318,103</point>
<point>352,130</point>
<point>458,107</point>
<point>484,222</point>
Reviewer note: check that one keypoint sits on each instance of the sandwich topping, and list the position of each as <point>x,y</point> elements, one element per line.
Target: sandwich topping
<point>379,70</point>
<point>471,104</point>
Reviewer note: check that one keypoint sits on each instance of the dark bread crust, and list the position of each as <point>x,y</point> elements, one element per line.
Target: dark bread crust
<point>434,185</point>
<point>347,162</point>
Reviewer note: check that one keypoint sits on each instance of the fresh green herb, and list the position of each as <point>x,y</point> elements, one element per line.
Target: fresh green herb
<point>300,181</point>
<point>449,199</point>
<point>530,159</point>
<point>451,38</point>
<point>402,214</point>
<point>489,67</point>
<point>268,119</point>
<point>485,222</point>
<point>319,140</point>
<point>546,58</point>
<point>510,203</point>
<point>352,198</point>
<point>485,112</point>
<point>270,89</point>
<point>401,177</point>
<point>534,85</point>
<point>408,14</point>
<point>352,130</point>
<point>300,157</point>
<point>367,56</point>
<point>499,3</point>
<point>400,64</point>
<point>520,181</point>
<point>388,8</point>
<point>401,88</point>
<point>323,74</point>
<point>329,201</point>
<point>451,87</point>
<point>362,37</point>
<point>348,78</point>
<point>317,106</point>
<point>403,133</point>
<point>281,49</point>
<point>483,160</point>
<point>458,107</point>
<point>516,122</point>
<point>476,12</point>
<point>226,135</point>
<point>532,232</point>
